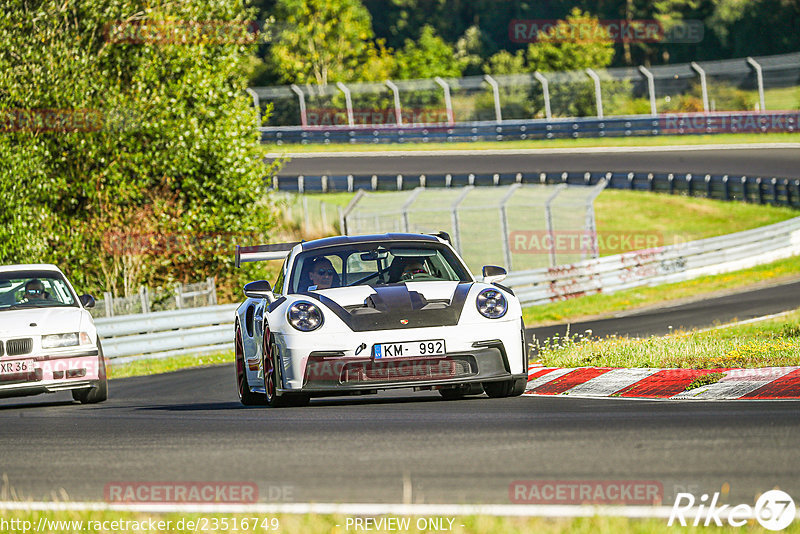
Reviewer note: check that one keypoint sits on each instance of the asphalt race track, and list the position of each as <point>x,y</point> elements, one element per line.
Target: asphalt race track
<point>780,162</point>
<point>396,446</point>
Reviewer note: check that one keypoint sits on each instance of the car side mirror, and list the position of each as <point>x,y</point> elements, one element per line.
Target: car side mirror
<point>87,301</point>
<point>260,289</point>
<point>493,273</point>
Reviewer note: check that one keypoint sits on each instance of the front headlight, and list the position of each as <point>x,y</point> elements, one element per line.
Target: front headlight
<point>304,316</point>
<point>491,303</point>
<point>55,341</point>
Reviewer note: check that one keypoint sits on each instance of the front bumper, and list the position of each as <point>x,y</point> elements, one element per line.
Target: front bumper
<point>52,373</point>
<point>326,372</point>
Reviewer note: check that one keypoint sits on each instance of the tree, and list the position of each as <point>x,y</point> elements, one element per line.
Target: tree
<point>129,150</point>
<point>322,41</point>
<point>429,56</point>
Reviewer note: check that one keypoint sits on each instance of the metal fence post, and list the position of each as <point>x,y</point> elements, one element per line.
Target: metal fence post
<point>454,216</point>
<point>144,300</point>
<point>448,103</point>
<point>546,91</point>
<point>179,295</point>
<point>302,98</point>
<point>598,95</point>
<point>257,105</point>
<point>651,89</point>
<point>760,78</point>
<point>212,291</point>
<point>504,224</point>
<point>398,112</point>
<point>108,301</point>
<point>591,227</point>
<point>348,103</point>
<point>703,85</point>
<point>548,217</point>
<point>498,113</point>
<point>411,198</point>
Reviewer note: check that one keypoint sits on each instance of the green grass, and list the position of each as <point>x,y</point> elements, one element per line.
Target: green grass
<point>675,219</point>
<point>330,524</point>
<point>546,143</point>
<point>605,304</point>
<point>782,98</point>
<point>770,343</point>
<point>166,365</point>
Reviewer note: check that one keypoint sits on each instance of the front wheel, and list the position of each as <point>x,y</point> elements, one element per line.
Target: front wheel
<point>508,388</point>
<point>98,392</point>
<point>271,380</point>
<point>246,397</point>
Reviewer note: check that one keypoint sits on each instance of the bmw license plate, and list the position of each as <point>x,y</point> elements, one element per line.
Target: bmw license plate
<point>16,367</point>
<point>408,349</point>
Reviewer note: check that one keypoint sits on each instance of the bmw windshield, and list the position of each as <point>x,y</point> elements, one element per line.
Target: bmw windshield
<point>34,289</point>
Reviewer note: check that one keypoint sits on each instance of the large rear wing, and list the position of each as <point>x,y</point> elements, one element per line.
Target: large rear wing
<point>277,251</point>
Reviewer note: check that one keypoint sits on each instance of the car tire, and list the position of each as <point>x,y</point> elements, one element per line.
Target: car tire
<point>452,393</point>
<point>459,392</point>
<point>98,392</point>
<point>273,400</point>
<point>246,397</point>
<point>506,388</point>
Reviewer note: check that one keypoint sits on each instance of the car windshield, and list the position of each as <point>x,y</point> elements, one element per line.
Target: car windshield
<point>375,264</point>
<point>34,289</point>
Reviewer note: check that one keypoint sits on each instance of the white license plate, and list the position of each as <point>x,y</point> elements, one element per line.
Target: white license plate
<point>408,349</point>
<point>16,367</point>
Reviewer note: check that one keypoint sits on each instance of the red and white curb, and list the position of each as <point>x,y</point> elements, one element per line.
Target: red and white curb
<point>762,383</point>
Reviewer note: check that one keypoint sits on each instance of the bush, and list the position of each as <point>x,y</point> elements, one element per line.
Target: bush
<point>149,167</point>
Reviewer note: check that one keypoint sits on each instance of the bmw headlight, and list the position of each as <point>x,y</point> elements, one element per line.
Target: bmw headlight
<point>55,341</point>
<point>304,316</point>
<point>491,303</point>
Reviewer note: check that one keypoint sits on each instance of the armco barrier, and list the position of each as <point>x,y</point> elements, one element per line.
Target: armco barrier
<point>573,128</point>
<point>659,265</point>
<point>755,189</point>
<point>169,333</point>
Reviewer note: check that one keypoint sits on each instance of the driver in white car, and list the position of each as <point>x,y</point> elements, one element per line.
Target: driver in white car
<point>34,290</point>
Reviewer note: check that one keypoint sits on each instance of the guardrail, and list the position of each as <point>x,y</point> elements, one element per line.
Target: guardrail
<point>510,130</point>
<point>755,189</point>
<point>667,264</point>
<point>169,333</point>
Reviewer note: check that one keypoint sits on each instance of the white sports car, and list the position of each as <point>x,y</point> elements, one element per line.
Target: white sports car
<point>353,315</point>
<point>48,341</point>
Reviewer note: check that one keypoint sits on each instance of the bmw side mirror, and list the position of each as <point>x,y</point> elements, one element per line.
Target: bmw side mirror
<point>87,301</point>
<point>493,273</point>
<point>260,289</point>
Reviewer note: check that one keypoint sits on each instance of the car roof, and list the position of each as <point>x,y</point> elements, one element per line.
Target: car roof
<point>373,238</point>
<point>30,267</point>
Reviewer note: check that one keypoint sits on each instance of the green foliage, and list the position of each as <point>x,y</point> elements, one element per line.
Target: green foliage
<point>324,41</point>
<point>427,57</point>
<point>157,170</point>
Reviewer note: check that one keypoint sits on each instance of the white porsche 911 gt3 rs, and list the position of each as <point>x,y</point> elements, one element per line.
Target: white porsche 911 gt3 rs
<point>354,315</point>
<point>48,341</point>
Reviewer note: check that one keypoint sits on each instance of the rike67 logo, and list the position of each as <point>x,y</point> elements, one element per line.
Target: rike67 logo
<point>774,510</point>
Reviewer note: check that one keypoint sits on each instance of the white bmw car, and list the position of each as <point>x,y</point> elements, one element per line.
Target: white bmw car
<point>48,341</point>
<point>354,315</point>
